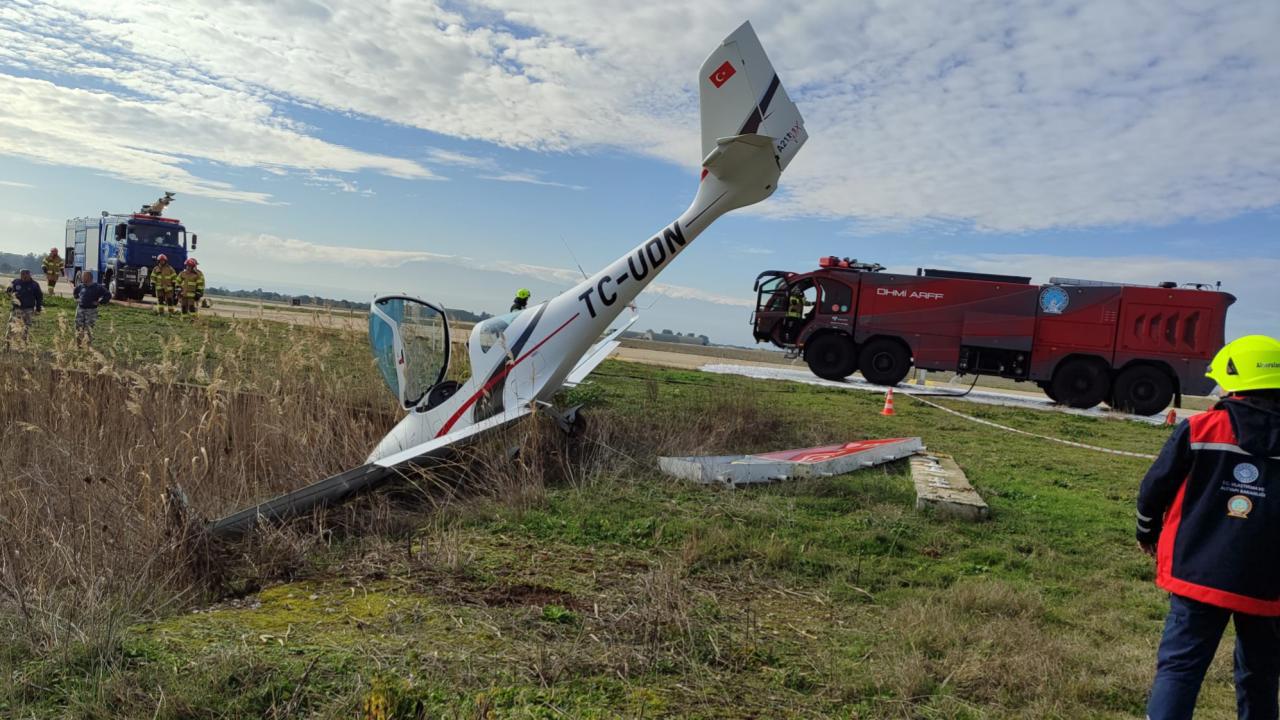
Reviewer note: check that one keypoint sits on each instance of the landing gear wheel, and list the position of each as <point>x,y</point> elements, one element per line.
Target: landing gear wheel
<point>831,357</point>
<point>884,362</point>
<point>1080,383</point>
<point>572,422</point>
<point>1142,390</point>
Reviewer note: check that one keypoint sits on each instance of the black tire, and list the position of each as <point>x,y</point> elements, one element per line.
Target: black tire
<point>1047,387</point>
<point>884,362</point>
<point>1142,390</point>
<point>1081,383</point>
<point>831,357</point>
<point>117,292</point>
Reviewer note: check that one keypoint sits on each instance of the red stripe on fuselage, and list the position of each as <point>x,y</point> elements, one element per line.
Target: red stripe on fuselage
<point>496,378</point>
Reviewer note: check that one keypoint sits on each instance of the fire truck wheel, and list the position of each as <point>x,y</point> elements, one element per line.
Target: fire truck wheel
<point>1047,387</point>
<point>1081,383</point>
<point>884,361</point>
<point>1142,390</point>
<point>831,357</point>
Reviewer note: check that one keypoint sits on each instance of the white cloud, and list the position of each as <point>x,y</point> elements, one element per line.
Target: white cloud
<point>338,184</point>
<point>491,169</point>
<point>1251,279</point>
<point>300,252</point>
<point>529,178</point>
<point>440,156</point>
<point>1007,116</point>
<point>15,184</point>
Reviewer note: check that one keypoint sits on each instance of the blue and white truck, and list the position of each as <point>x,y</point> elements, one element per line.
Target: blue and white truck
<point>120,250</point>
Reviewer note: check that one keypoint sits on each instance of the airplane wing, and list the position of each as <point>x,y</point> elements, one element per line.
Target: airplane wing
<point>337,488</point>
<point>597,354</point>
<point>435,446</point>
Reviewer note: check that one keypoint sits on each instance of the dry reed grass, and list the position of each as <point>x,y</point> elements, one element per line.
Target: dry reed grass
<point>90,445</point>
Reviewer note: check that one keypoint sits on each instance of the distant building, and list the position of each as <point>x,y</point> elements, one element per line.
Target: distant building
<point>674,337</point>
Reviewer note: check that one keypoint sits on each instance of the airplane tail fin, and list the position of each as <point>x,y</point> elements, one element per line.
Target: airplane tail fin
<point>740,95</point>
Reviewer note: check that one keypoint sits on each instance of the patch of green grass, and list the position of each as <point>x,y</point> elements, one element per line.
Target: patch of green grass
<point>628,594</point>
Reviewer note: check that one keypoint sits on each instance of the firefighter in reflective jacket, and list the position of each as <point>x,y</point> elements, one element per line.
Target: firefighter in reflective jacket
<point>795,315</point>
<point>165,281</point>
<point>52,266</point>
<point>1209,511</point>
<point>190,287</point>
<point>522,300</point>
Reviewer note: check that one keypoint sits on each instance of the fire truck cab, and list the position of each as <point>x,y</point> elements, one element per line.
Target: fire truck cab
<point>1083,342</point>
<point>120,250</point>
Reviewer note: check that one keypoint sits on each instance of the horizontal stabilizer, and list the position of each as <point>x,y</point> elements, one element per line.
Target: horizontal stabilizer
<point>598,354</point>
<point>740,94</point>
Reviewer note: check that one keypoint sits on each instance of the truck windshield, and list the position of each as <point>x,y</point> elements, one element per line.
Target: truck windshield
<point>154,235</point>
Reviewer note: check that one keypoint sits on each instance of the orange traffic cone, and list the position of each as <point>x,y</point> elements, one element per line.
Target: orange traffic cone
<point>888,403</point>
<point>1171,418</point>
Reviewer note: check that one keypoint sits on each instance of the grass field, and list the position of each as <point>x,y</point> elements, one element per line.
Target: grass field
<point>572,580</point>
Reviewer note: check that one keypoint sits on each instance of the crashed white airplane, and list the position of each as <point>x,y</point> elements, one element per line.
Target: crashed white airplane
<point>751,130</point>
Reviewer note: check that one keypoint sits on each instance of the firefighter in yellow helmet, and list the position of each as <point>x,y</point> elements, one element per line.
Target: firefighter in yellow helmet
<point>52,266</point>
<point>1209,512</point>
<point>164,279</point>
<point>522,300</point>
<point>190,287</point>
<point>795,315</point>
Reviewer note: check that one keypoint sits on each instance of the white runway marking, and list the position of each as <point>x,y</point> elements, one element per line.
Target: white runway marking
<point>985,396</point>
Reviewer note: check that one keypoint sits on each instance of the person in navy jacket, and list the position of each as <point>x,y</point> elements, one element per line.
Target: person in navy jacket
<point>27,300</point>
<point>1209,512</point>
<point>89,295</point>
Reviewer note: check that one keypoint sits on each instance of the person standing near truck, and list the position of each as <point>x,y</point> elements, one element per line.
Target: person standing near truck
<point>165,281</point>
<point>190,287</point>
<point>795,314</point>
<point>28,300</point>
<point>52,266</point>
<point>89,295</point>
<point>1205,515</point>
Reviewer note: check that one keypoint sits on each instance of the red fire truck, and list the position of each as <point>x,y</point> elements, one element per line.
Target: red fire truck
<point>1083,342</point>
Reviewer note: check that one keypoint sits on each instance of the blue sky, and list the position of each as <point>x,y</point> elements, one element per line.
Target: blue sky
<point>453,151</point>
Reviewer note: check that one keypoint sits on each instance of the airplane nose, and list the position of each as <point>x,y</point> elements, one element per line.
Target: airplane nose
<point>412,430</point>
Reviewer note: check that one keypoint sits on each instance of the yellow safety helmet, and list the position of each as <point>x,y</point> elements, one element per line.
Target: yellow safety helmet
<point>1249,363</point>
<point>522,294</point>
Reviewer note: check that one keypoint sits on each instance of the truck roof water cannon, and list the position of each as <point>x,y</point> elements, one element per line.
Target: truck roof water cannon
<point>156,209</point>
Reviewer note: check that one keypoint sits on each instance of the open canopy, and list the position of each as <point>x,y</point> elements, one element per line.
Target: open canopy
<point>410,341</point>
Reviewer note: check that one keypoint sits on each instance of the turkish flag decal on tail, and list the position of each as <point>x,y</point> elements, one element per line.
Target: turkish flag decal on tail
<point>722,74</point>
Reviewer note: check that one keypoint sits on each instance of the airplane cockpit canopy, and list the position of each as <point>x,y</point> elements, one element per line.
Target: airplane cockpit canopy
<point>410,342</point>
<point>488,333</point>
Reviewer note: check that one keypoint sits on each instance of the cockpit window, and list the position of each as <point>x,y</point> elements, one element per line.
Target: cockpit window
<point>490,332</point>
